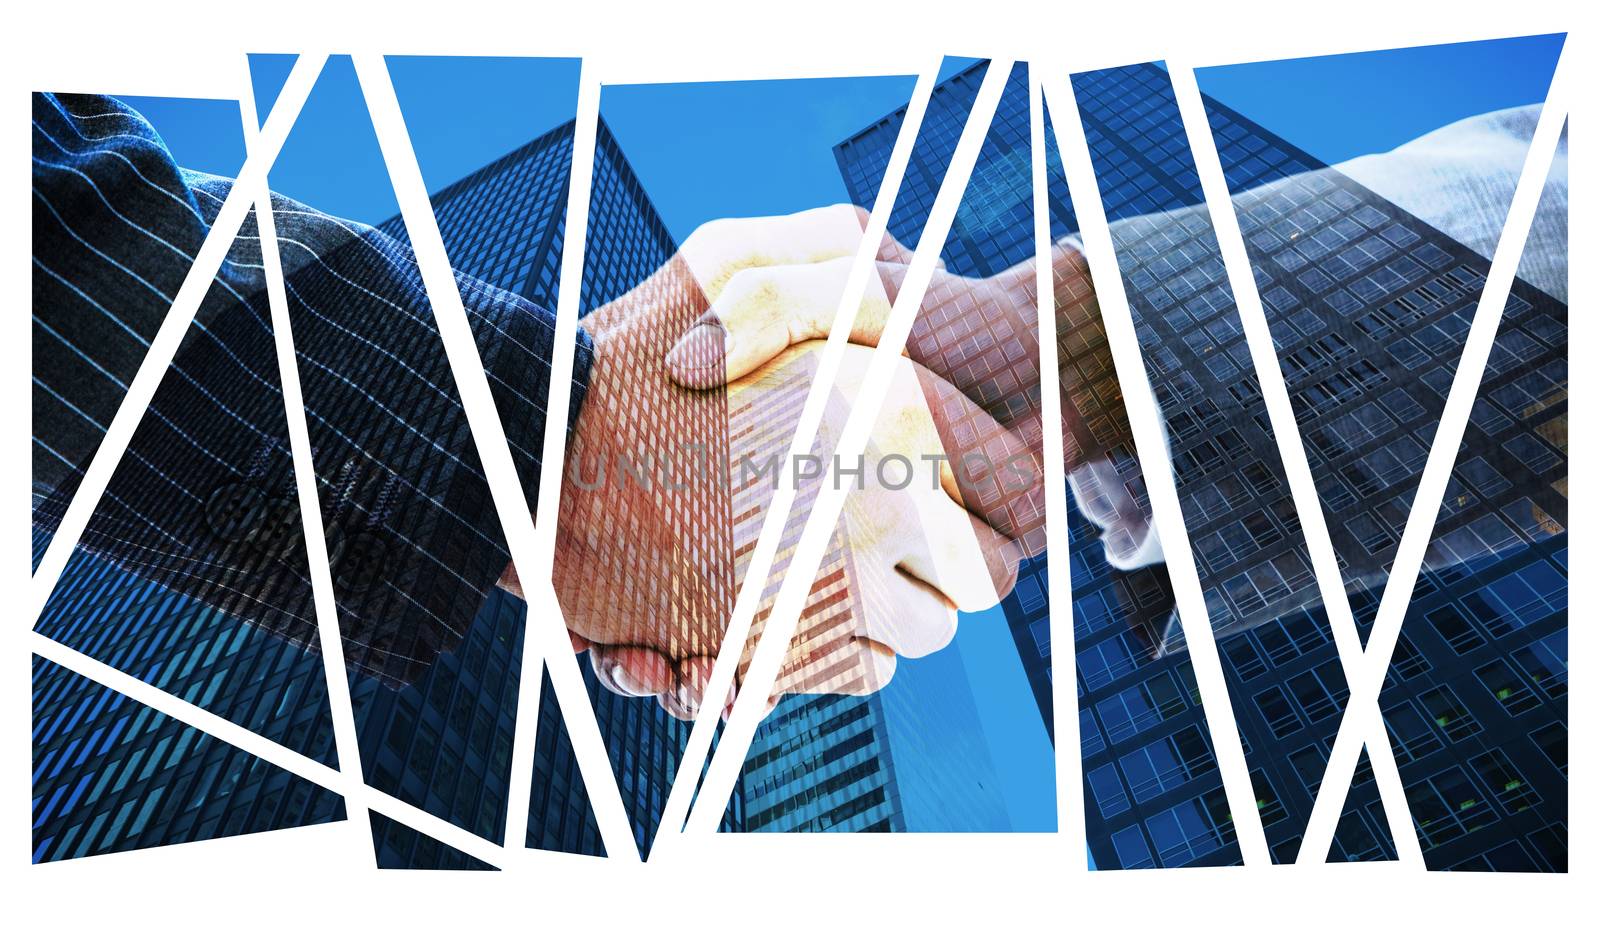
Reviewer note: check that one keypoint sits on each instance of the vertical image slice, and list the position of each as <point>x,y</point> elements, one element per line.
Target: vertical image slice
<point>432,636</point>
<point>190,574</point>
<point>1476,699</point>
<point>1154,794</point>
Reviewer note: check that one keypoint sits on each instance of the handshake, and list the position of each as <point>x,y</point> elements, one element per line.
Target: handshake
<point>699,377</point>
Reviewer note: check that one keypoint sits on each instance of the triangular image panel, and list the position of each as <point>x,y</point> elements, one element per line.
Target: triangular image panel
<point>864,155</point>
<point>1280,664</point>
<point>268,74</point>
<point>107,171</point>
<point>400,847</point>
<point>560,816</point>
<point>112,775</point>
<point>192,574</point>
<point>493,138</point>
<point>1370,270</point>
<point>1363,830</point>
<point>1477,690</point>
<point>333,122</point>
<point>432,643</point>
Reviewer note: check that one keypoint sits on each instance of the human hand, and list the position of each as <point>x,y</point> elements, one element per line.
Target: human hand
<point>979,337</point>
<point>764,284</point>
<point>904,558</point>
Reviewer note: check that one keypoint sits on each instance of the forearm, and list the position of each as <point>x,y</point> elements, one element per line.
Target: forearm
<point>204,500</point>
<point>1458,179</point>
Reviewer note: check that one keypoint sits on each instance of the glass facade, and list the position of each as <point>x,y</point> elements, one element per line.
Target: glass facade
<point>817,762</point>
<point>505,224</point>
<point>1368,307</point>
<point>111,775</point>
<point>441,742</point>
<point>1366,396</point>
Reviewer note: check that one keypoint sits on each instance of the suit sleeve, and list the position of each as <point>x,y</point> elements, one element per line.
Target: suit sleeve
<point>203,502</point>
<point>1458,179</point>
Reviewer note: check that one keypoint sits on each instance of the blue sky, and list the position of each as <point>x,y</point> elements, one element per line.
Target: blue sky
<point>204,135</point>
<point>739,148</point>
<point>461,112</point>
<point>1339,106</point>
<point>708,150</point>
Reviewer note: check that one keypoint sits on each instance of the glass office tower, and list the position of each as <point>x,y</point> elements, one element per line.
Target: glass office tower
<point>817,762</point>
<point>839,763</point>
<point>442,742</point>
<point>1368,307</point>
<point>112,775</point>
<point>505,224</point>
<point>1368,330</point>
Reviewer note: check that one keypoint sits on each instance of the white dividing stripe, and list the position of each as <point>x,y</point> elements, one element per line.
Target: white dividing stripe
<point>1063,643</point>
<point>1291,449</point>
<point>551,466</point>
<point>1361,714</point>
<point>270,751</point>
<point>1156,463</point>
<point>345,740</point>
<point>751,705</point>
<point>159,356</point>
<point>748,601</point>
<point>348,785</point>
<point>545,634</point>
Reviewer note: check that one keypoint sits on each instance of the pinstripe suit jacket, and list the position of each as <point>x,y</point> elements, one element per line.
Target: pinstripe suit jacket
<point>203,501</point>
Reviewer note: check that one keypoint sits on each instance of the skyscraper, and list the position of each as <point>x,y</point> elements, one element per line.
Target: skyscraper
<point>441,742</point>
<point>1368,307</point>
<point>505,224</point>
<point>818,762</point>
<point>112,775</point>
<point>834,762</point>
<point>1368,329</point>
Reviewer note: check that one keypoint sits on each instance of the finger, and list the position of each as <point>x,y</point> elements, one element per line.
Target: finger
<point>959,555</point>
<point>764,310</point>
<point>831,653</point>
<point>989,479</point>
<point>857,665</point>
<point>1091,404</point>
<point>893,251</point>
<point>673,705</point>
<point>694,676</point>
<point>633,671</point>
<point>719,249</point>
<point>910,616</point>
<point>979,334</point>
<point>510,583</point>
